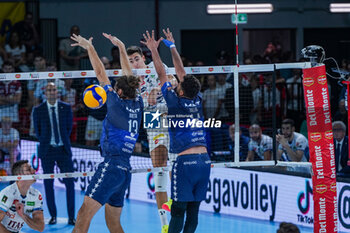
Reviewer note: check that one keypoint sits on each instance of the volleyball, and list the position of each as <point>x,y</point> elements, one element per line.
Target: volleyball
<point>94,96</point>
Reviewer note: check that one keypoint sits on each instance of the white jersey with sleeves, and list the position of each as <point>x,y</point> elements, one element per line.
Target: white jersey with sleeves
<point>299,142</point>
<point>9,196</point>
<point>149,83</point>
<point>260,148</point>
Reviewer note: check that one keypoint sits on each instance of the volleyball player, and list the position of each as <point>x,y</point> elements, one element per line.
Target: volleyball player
<point>158,139</point>
<point>190,171</point>
<point>119,135</point>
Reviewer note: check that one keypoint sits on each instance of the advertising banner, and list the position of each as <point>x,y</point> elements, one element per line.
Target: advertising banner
<point>320,134</point>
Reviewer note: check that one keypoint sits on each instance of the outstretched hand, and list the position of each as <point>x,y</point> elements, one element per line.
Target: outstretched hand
<point>169,35</point>
<point>115,41</point>
<point>150,42</point>
<point>81,41</point>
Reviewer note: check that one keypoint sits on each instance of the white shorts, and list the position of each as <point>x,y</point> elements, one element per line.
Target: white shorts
<point>93,129</point>
<point>158,137</point>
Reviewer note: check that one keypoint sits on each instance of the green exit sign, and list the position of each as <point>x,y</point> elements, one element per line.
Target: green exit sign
<point>241,18</point>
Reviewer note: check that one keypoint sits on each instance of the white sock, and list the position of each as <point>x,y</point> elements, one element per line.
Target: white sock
<point>163,217</point>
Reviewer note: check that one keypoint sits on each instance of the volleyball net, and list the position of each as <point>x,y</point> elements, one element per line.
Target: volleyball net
<point>234,96</point>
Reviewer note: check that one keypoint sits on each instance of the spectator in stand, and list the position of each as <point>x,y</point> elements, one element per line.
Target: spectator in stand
<point>28,32</point>
<point>3,56</point>
<point>260,145</point>
<point>9,141</point>
<point>10,94</point>
<point>268,102</point>
<point>70,56</point>
<point>211,99</point>
<point>202,78</point>
<point>293,146</point>
<point>115,63</point>
<point>296,96</point>
<point>286,227</point>
<point>221,87</point>
<point>245,103</point>
<point>341,148</point>
<point>243,143</point>
<point>255,115</point>
<point>16,52</point>
<point>222,58</point>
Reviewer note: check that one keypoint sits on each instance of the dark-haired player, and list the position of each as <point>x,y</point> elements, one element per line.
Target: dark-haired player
<point>191,170</point>
<point>119,135</point>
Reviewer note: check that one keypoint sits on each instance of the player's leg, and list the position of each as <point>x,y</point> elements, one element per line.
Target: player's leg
<point>115,203</point>
<point>85,214</point>
<point>178,210</point>
<point>191,217</point>
<point>112,215</point>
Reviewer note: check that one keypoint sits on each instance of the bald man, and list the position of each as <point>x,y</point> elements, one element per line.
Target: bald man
<point>260,145</point>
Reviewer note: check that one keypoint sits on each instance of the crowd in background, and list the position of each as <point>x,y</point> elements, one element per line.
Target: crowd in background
<point>22,53</point>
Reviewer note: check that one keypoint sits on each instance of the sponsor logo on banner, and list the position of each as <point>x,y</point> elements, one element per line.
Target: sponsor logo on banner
<point>67,74</point>
<point>195,70</point>
<point>116,72</point>
<point>2,76</point>
<point>334,187</point>
<point>315,137</point>
<point>321,188</point>
<point>83,73</point>
<point>148,71</point>
<point>18,76</point>
<point>211,69</point>
<point>344,206</point>
<point>308,81</point>
<point>226,69</point>
<point>322,79</point>
<point>51,75</point>
<point>35,76</point>
<point>328,134</point>
<point>304,199</point>
<point>151,186</point>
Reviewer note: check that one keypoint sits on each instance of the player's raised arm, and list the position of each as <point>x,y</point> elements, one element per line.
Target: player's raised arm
<point>124,60</point>
<point>94,59</point>
<point>170,43</point>
<point>152,45</point>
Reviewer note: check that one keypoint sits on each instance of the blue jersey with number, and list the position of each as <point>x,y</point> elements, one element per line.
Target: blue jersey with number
<point>121,126</point>
<point>182,115</point>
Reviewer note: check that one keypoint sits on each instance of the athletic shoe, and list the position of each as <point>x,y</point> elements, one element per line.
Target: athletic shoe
<point>165,228</point>
<point>167,205</point>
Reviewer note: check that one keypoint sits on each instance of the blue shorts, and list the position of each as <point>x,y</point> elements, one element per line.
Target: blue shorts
<point>109,183</point>
<point>190,177</point>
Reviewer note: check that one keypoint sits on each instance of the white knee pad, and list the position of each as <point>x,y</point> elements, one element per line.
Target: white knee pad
<point>160,181</point>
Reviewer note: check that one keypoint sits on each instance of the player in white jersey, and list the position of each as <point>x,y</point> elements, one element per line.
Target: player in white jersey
<point>292,146</point>
<point>260,145</point>
<point>19,201</point>
<point>158,139</point>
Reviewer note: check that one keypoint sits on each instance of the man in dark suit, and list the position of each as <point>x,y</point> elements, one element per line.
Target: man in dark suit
<point>53,125</point>
<point>341,148</point>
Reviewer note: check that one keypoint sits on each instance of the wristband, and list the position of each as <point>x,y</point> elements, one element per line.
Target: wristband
<point>169,44</point>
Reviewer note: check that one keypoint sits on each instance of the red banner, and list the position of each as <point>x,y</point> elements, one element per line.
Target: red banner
<point>319,125</point>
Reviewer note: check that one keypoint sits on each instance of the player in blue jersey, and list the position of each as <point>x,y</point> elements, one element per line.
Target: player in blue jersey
<point>191,170</point>
<point>119,135</point>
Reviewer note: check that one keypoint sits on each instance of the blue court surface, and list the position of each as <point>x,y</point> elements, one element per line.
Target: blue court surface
<point>143,217</point>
